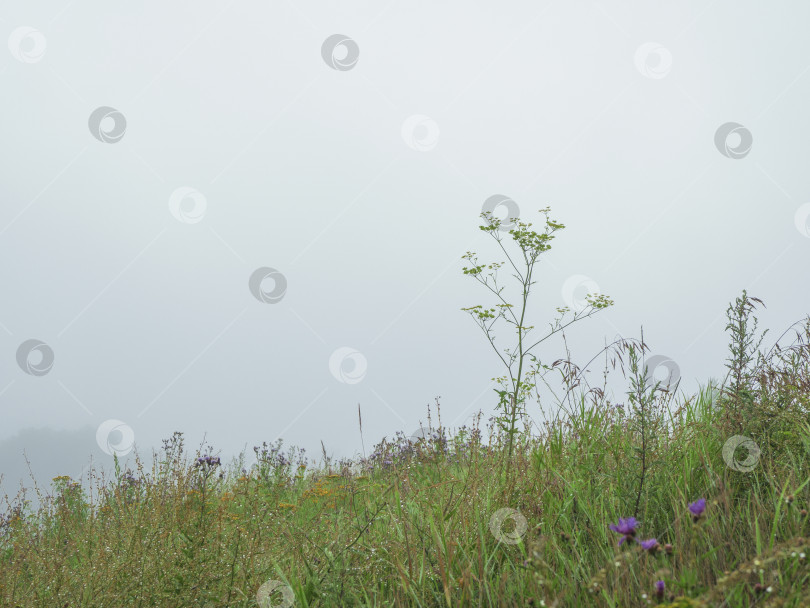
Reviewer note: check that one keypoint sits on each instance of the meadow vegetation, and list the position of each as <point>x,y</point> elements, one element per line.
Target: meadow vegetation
<point>659,500</point>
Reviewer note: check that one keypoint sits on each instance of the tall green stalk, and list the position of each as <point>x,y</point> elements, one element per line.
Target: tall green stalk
<point>531,244</point>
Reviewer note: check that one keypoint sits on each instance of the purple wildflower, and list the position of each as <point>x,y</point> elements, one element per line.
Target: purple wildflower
<point>211,461</point>
<point>659,589</point>
<point>626,527</point>
<point>697,508</point>
<point>651,545</point>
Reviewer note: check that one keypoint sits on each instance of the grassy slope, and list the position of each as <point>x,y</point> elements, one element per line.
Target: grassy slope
<point>414,526</point>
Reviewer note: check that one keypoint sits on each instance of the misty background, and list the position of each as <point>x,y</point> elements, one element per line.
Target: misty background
<point>241,220</point>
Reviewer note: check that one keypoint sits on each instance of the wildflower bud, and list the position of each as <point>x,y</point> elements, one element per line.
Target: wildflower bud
<point>759,588</point>
<point>804,512</point>
<point>668,549</point>
<point>789,499</point>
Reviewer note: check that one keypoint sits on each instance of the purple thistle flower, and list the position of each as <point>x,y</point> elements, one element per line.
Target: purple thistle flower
<point>659,588</point>
<point>626,527</point>
<point>697,508</point>
<point>650,545</point>
<point>211,461</point>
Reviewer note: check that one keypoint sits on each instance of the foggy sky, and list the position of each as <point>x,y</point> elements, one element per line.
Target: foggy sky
<point>156,157</point>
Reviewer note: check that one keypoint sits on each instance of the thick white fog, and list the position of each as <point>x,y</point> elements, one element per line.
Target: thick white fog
<point>241,220</point>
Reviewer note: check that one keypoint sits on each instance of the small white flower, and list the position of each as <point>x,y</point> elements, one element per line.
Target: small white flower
<point>801,555</point>
<point>769,589</point>
<point>644,596</point>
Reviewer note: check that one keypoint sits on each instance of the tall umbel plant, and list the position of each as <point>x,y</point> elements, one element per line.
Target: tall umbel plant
<point>517,383</point>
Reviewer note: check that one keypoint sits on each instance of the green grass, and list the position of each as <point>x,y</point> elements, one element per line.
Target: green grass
<point>417,531</point>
